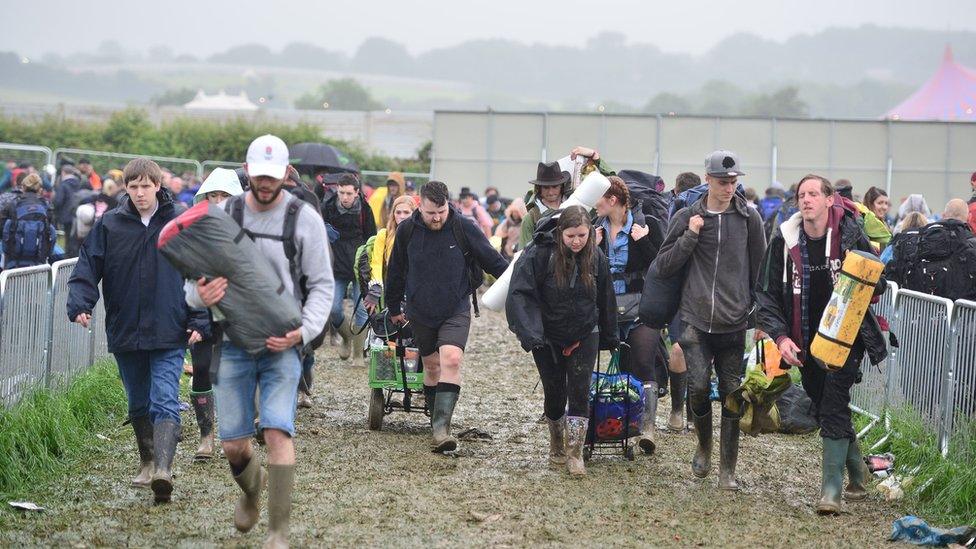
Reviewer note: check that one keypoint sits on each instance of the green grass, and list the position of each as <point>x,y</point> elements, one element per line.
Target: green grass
<point>943,490</point>
<point>47,431</point>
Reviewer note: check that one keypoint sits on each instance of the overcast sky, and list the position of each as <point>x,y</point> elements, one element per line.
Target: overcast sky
<point>203,27</point>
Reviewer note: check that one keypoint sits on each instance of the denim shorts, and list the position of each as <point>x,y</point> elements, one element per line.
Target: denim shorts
<point>240,374</point>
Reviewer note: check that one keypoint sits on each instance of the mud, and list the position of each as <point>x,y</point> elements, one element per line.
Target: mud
<point>359,487</point>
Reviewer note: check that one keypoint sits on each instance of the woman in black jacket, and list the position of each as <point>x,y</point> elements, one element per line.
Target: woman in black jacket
<point>562,307</point>
<point>631,241</point>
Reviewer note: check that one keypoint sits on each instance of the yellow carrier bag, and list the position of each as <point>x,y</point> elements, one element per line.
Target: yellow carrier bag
<point>849,302</point>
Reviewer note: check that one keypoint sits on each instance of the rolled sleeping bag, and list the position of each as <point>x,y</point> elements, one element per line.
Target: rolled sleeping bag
<point>205,242</point>
<point>849,302</point>
<point>590,190</point>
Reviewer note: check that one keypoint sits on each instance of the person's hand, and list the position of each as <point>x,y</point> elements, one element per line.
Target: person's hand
<point>399,319</point>
<point>211,292</point>
<point>585,152</point>
<point>195,337</point>
<point>789,351</point>
<point>279,344</point>
<point>759,335</point>
<point>638,231</point>
<point>369,306</point>
<point>599,235</point>
<point>84,319</point>
<point>695,223</point>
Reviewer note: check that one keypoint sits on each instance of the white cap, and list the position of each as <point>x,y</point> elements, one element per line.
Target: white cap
<point>267,155</point>
<point>221,179</point>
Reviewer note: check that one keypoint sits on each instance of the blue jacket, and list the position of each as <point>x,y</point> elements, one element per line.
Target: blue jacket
<point>144,301</point>
<point>430,269</point>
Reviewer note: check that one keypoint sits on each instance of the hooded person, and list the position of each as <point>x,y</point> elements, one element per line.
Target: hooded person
<point>219,186</point>
<point>381,201</point>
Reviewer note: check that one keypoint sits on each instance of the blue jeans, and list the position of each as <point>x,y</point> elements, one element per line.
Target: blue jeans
<point>338,316</point>
<point>239,377</point>
<point>152,382</point>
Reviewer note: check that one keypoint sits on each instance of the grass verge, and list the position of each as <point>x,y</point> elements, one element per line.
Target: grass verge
<point>47,431</point>
<point>942,490</point>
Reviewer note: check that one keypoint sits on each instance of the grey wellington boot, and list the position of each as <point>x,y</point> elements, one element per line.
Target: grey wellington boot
<point>143,428</point>
<point>281,480</point>
<point>678,385</point>
<point>701,464</point>
<point>648,419</point>
<point>166,433</point>
<point>728,453</point>
<point>440,421</point>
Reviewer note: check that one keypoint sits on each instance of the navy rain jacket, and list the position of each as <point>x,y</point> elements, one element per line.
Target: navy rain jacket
<point>144,301</point>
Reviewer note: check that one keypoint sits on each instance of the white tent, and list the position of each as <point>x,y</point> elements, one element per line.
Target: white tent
<point>221,102</point>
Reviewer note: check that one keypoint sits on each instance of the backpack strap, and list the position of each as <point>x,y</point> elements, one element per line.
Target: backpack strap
<point>469,262</point>
<point>235,207</point>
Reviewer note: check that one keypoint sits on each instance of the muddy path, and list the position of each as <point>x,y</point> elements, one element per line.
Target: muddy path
<point>358,487</point>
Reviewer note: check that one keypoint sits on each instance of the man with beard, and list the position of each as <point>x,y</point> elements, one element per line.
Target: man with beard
<point>307,276</point>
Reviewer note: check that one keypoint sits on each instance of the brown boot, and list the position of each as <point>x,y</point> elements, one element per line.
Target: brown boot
<point>575,438</point>
<point>281,479</point>
<point>203,406</point>
<point>248,509</point>
<point>143,428</point>
<point>557,441</point>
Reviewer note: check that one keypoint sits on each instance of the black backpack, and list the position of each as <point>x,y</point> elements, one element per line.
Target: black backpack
<point>28,235</point>
<point>940,260</point>
<point>476,276</point>
<point>644,194</point>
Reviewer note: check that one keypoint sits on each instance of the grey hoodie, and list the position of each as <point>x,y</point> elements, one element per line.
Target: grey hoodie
<point>723,263</point>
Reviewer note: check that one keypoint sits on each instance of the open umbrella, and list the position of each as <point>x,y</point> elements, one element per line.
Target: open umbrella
<point>319,156</point>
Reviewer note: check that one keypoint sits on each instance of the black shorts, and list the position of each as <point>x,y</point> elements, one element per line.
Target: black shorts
<point>453,331</point>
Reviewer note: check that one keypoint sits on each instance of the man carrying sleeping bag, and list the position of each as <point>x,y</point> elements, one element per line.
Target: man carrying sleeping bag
<point>147,321</point>
<point>795,284</point>
<point>301,266</point>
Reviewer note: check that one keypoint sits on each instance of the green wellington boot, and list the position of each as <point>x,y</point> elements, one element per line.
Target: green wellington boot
<point>248,509</point>
<point>143,428</point>
<point>557,441</point>
<point>440,421</point>
<point>857,474</point>
<point>834,458</point>
<point>281,480</point>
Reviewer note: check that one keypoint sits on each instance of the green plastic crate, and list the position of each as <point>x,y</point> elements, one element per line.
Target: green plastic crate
<point>384,369</point>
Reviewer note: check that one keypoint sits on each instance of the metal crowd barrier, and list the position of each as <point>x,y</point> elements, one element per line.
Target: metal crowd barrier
<point>39,346</point>
<point>870,396</point>
<point>103,161</point>
<point>25,313</point>
<point>960,412</point>
<point>39,156</point>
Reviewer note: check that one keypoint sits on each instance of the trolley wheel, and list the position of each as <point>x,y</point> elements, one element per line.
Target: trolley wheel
<point>629,452</point>
<point>587,453</point>
<point>376,402</point>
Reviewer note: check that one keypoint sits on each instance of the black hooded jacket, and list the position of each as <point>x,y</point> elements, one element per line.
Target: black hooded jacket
<point>539,312</point>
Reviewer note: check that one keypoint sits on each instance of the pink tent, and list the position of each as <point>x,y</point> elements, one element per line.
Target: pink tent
<point>950,95</point>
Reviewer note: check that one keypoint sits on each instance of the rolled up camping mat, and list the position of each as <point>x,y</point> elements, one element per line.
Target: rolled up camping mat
<point>496,295</point>
<point>849,302</point>
<point>589,191</point>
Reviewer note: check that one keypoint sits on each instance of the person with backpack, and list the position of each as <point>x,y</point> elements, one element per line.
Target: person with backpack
<point>562,307</point>
<point>550,188</point>
<point>349,213</point>
<point>373,257</point>
<point>716,245</point>
<point>293,239</point>
<point>93,208</point>
<point>630,239</point>
<point>148,323</point>
<point>470,207</point>
<point>937,259</point>
<point>68,195</point>
<point>27,226</point>
<point>795,284</point>
<point>438,263</point>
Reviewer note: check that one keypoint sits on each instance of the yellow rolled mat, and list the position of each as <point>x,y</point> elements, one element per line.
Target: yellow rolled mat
<point>849,302</point>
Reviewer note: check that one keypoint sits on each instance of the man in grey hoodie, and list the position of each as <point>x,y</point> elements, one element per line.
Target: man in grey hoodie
<point>717,245</point>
